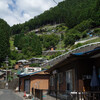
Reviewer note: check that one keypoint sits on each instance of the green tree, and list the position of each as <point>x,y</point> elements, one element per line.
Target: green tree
<point>4,40</point>
<point>71,12</point>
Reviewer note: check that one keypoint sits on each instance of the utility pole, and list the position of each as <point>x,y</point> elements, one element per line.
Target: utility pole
<point>6,70</point>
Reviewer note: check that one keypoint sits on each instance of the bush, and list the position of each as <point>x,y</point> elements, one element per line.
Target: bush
<point>13,54</point>
<point>77,45</point>
<point>55,55</point>
<point>35,65</point>
<point>84,34</point>
<point>86,24</point>
<point>71,36</point>
<point>97,31</point>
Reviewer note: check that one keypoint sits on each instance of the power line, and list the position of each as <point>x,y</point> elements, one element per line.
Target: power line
<point>55,1</point>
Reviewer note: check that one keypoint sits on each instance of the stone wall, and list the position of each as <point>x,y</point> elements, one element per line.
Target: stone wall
<point>13,84</point>
<point>2,85</point>
<point>51,52</point>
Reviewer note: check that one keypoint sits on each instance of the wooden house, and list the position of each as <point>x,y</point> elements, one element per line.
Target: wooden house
<point>36,80</point>
<point>75,72</point>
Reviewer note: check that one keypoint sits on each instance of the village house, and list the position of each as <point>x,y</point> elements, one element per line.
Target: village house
<point>77,72</point>
<point>36,80</point>
<point>37,60</point>
<point>28,70</point>
<point>26,63</point>
<point>21,63</point>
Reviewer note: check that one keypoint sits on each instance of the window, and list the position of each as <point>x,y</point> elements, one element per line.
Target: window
<point>69,83</point>
<point>51,81</point>
<point>60,78</point>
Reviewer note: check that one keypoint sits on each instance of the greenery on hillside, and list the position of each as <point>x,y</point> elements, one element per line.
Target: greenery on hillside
<point>30,44</point>
<point>4,40</point>
<point>49,41</point>
<point>78,16</point>
<point>87,42</point>
<point>78,32</point>
<point>59,27</point>
<point>71,12</point>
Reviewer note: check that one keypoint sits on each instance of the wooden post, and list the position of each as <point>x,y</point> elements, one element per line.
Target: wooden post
<point>19,84</point>
<point>41,94</point>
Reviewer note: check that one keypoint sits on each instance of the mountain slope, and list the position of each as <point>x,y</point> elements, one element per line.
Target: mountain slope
<point>71,12</point>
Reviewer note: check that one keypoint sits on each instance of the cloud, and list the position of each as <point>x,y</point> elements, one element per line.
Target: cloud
<point>19,11</point>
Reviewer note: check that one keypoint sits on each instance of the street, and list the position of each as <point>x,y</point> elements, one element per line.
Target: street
<point>8,95</point>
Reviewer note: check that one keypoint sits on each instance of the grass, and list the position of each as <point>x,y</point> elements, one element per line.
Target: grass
<point>12,47</point>
<point>60,46</point>
<point>92,41</point>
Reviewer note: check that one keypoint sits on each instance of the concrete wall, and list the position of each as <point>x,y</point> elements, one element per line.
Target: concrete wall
<point>2,85</point>
<point>13,84</point>
<point>51,52</point>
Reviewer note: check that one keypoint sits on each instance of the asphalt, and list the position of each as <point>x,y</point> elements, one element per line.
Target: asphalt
<point>21,94</point>
<point>6,94</point>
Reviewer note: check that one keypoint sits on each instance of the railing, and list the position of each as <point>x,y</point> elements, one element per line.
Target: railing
<point>63,95</point>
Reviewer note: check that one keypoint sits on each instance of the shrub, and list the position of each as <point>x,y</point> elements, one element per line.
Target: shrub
<point>86,24</point>
<point>35,65</point>
<point>55,55</point>
<point>97,31</point>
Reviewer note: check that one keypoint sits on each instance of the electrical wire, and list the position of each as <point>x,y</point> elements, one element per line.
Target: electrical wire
<point>55,1</point>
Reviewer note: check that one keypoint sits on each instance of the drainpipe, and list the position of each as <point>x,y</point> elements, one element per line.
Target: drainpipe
<point>77,82</point>
<point>19,84</point>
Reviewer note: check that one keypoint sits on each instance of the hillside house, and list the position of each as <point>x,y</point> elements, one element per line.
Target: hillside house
<point>36,60</point>
<point>21,63</point>
<point>28,70</point>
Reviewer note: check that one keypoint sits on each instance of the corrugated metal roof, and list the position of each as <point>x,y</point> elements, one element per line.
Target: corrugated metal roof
<point>87,52</point>
<point>91,54</point>
<point>38,72</point>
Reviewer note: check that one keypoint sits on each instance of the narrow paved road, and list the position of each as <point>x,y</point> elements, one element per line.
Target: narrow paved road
<point>8,95</point>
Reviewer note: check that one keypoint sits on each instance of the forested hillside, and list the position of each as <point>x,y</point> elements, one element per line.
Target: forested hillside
<point>4,40</point>
<point>59,27</point>
<point>71,12</point>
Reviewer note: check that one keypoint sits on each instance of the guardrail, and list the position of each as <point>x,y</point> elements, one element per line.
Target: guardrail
<point>57,59</point>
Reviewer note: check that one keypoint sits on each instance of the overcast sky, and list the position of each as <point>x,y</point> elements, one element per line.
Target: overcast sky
<point>19,11</point>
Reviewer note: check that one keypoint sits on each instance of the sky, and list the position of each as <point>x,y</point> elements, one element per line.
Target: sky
<point>19,11</point>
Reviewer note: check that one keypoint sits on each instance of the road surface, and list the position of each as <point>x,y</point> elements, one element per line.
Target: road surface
<point>8,95</point>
